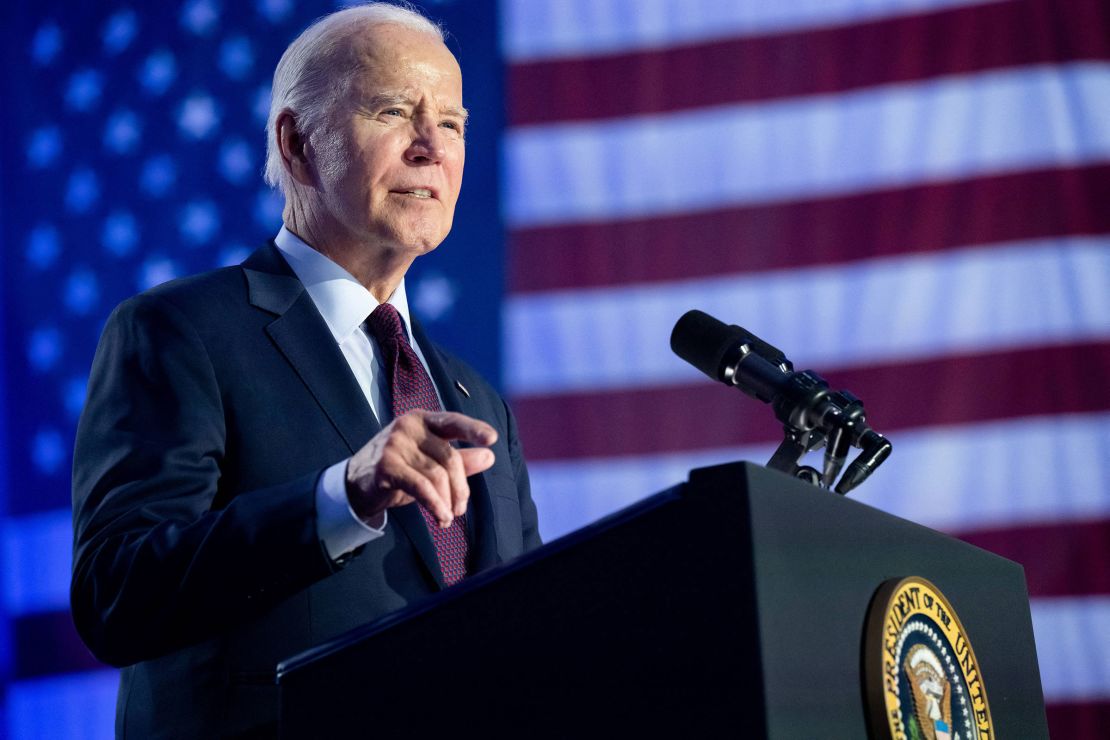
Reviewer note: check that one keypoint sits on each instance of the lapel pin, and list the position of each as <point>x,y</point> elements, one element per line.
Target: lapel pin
<point>462,388</point>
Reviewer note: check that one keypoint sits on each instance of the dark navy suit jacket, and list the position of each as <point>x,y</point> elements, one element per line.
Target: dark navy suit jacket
<point>214,404</point>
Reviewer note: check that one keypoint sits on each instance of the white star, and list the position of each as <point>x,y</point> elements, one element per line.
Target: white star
<point>199,16</point>
<point>261,105</point>
<point>235,160</point>
<point>121,132</point>
<point>119,31</point>
<point>43,246</point>
<point>46,43</point>
<point>158,175</point>
<point>120,233</point>
<point>268,205</point>
<point>73,395</point>
<point>198,116</point>
<point>83,89</point>
<point>434,297</point>
<point>82,190</point>
<point>155,271</point>
<point>198,222</point>
<point>158,72</point>
<point>48,451</point>
<point>82,290</point>
<point>236,57</point>
<point>44,146</point>
<point>274,11</point>
<point>232,255</point>
<point>44,348</point>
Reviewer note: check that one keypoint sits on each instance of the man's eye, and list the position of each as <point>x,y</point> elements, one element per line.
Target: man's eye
<point>393,112</point>
<point>451,125</point>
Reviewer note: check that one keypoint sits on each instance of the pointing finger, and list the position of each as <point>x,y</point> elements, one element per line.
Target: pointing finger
<point>452,425</point>
<point>476,459</point>
<point>448,458</point>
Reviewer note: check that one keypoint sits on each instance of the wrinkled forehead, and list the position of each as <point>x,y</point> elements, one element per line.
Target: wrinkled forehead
<point>393,58</point>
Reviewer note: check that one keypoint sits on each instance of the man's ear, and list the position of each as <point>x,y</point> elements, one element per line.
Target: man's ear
<point>292,145</point>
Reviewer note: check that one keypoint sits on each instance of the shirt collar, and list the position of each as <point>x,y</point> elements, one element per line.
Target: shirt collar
<point>339,297</point>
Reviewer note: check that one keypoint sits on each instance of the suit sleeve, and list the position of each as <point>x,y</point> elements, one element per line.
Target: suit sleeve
<point>160,559</point>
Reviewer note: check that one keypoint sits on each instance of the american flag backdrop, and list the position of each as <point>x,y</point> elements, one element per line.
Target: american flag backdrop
<point>911,197</point>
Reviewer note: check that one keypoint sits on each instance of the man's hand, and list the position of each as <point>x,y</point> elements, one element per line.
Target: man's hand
<point>412,459</point>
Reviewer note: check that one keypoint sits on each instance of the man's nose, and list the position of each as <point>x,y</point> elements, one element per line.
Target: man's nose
<point>428,144</point>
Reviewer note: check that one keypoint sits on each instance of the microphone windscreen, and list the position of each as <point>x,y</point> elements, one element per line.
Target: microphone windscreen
<point>703,341</point>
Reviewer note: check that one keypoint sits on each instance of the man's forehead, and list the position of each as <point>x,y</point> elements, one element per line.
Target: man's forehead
<point>377,42</point>
<point>393,62</point>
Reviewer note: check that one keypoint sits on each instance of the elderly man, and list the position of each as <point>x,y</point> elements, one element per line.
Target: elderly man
<point>273,454</point>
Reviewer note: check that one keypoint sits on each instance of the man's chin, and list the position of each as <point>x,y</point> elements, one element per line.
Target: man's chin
<point>422,238</point>
<point>414,246</point>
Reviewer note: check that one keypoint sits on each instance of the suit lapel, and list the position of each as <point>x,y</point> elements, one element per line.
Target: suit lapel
<point>480,522</point>
<point>303,338</point>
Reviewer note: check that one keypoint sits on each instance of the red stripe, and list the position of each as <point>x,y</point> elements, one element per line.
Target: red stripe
<point>1078,720</point>
<point>1023,205</point>
<point>809,62</point>
<point>948,390</point>
<point>1077,561</point>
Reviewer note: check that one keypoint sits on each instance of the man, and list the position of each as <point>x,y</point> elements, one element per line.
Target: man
<point>257,470</point>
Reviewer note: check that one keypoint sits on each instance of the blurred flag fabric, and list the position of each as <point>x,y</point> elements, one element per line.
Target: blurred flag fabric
<point>910,196</point>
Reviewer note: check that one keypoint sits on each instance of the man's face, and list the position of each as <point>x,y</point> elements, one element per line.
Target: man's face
<point>390,157</point>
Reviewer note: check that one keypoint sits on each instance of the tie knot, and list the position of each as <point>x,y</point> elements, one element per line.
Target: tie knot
<point>385,323</point>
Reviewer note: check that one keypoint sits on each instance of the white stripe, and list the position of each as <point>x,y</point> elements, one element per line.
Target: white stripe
<point>1025,471</point>
<point>1073,646</point>
<point>37,559</point>
<point>964,301</point>
<point>571,494</point>
<point>78,706</point>
<point>545,29</point>
<point>879,137</point>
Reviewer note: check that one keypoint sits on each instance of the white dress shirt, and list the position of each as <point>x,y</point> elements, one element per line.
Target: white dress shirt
<point>345,304</point>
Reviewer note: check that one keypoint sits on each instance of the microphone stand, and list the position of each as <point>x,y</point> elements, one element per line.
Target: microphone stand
<point>812,415</point>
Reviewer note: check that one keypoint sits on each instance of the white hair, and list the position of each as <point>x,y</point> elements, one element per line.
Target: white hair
<point>314,72</point>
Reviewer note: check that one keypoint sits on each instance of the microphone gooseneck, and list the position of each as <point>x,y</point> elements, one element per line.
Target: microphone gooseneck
<point>811,413</point>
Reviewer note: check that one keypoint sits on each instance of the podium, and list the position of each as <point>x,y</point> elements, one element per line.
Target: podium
<point>733,605</point>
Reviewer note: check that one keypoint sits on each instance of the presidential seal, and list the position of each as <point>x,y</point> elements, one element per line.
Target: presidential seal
<point>921,676</point>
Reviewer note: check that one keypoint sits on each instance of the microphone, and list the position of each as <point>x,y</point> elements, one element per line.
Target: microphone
<point>730,354</point>
<point>811,414</point>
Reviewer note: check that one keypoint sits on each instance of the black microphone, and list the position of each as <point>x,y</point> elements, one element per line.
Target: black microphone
<point>731,354</point>
<point>802,400</point>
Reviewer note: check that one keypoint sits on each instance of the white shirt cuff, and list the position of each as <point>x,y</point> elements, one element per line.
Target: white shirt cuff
<point>337,525</point>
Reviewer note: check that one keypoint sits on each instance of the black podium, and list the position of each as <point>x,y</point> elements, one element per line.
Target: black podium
<point>730,606</point>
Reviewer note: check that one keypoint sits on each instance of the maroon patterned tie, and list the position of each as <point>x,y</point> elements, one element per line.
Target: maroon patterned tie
<point>411,388</point>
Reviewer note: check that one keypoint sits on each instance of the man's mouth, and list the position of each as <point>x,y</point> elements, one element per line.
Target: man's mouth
<point>417,192</point>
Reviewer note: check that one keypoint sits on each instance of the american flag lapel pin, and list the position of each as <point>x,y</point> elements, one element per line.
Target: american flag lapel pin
<point>461,387</point>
